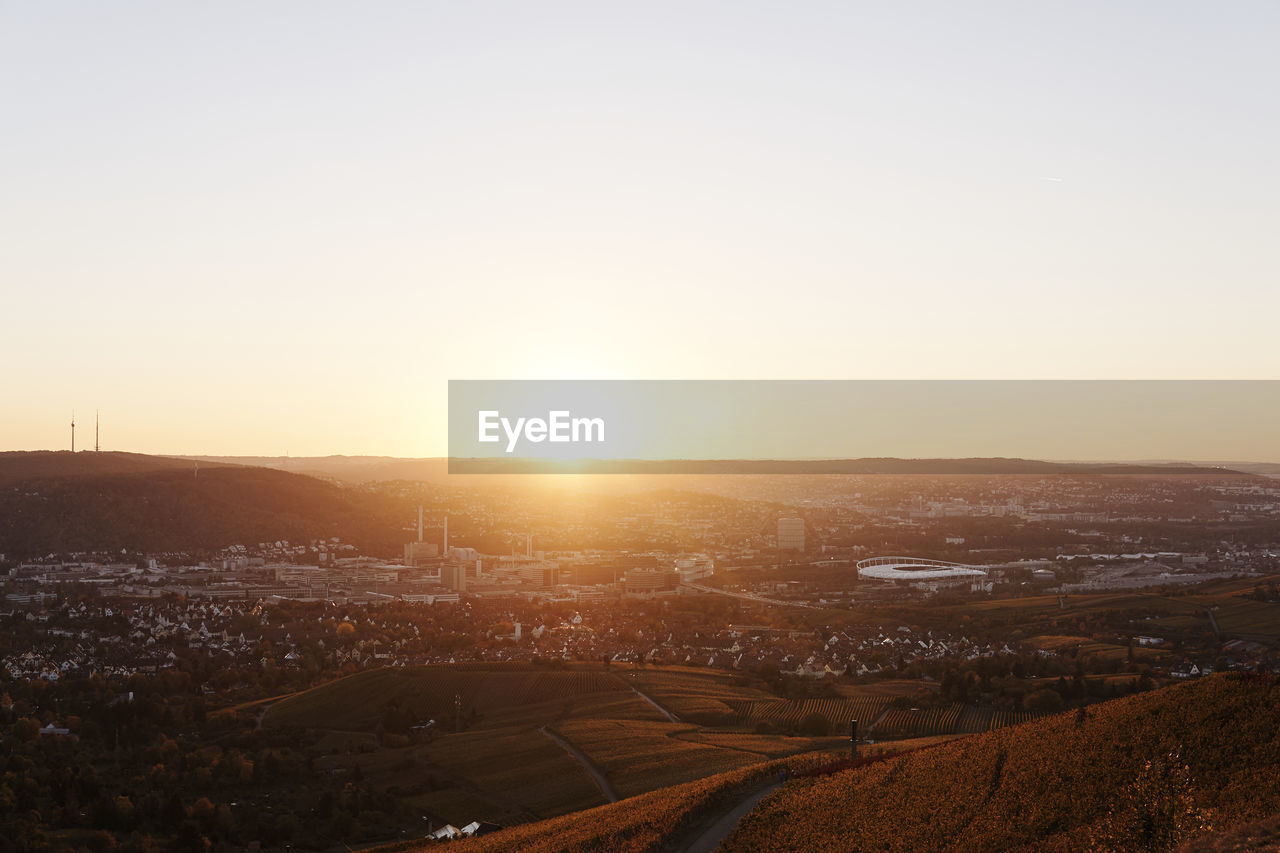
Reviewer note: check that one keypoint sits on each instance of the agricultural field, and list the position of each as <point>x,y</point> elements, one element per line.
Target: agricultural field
<point>641,756</point>
<point>664,819</point>
<point>702,696</point>
<point>485,756</point>
<point>767,746</point>
<point>788,713</point>
<point>1097,649</point>
<point>651,821</point>
<point>1236,614</point>
<point>890,688</point>
<point>508,767</point>
<point>978,720</point>
<point>918,722</point>
<point>1243,617</point>
<point>717,698</point>
<point>438,692</point>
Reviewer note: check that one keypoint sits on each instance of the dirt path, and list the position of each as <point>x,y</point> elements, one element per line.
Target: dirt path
<point>670,716</point>
<point>714,835</point>
<point>601,781</point>
<point>263,713</point>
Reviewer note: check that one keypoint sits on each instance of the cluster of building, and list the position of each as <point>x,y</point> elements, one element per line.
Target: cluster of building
<point>119,638</point>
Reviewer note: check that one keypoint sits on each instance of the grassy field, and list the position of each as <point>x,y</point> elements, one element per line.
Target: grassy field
<point>358,702</point>
<point>698,695</point>
<point>1094,648</point>
<point>1142,773</point>
<point>648,822</point>
<point>1182,765</point>
<point>509,768</point>
<point>485,758</point>
<point>641,756</point>
<point>1235,612</point>
<point>660,820</point>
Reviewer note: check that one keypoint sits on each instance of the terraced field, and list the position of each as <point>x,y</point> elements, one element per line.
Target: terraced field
<point>656,820</point>
<point>787,713</point>
<point>641,756</point>
<point>698,695</point>
<point>485,758</point>
<point>923,722</point>
<point>1148,772</point>
<point>357,702</point>
<point>979,720</point>
<point>1093,648</point>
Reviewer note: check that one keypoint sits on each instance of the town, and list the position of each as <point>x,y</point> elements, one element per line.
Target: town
<point>336,691</point>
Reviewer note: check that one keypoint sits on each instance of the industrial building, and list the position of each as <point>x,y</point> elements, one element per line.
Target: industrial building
<point>791,534</point>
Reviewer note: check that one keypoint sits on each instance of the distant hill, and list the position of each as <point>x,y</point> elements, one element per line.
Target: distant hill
<point>43,464</point>
<point>59,502</point>
<point>870,466</point>
<point>346,469</point>
<point>364,469</point>
<point>1265,469</point>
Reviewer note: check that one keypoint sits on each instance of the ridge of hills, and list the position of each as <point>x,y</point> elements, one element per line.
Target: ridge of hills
<point>61,502</point>
<point>363,469</point>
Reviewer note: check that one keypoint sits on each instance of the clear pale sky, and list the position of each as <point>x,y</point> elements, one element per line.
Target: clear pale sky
<point>252,228</point>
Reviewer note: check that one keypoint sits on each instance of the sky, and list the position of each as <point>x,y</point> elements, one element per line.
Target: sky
<point>248,228</point>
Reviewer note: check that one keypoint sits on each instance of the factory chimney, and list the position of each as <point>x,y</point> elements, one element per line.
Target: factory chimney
<point>419,522</point>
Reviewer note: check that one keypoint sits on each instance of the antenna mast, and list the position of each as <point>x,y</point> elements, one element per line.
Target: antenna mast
<point>96,448</point>
<point>73,430</point>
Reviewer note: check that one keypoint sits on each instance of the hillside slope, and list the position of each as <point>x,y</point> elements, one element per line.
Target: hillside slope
<point>1143,773</point>
<point>1196,764</point>
<point>22,466</point>
<point>60,502</point>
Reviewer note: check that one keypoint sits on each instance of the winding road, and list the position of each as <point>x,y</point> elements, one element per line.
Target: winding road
<point>670,716</point>
<point>714,835</point>
<point>748,596</point>
<point>601,781</point>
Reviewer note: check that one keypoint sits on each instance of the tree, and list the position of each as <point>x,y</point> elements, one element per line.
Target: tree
<point>1043,701</point>
<point>26,729</point>
<point>815,725</point>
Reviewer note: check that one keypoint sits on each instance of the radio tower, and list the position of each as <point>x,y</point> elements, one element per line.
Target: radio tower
<point>96,448</point>
<point>73,431</point>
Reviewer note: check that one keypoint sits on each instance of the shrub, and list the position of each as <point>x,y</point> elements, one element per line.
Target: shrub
<point>815,725</point>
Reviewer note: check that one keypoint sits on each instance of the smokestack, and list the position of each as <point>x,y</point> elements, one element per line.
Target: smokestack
<point>419,522</point>
<point>528,545</point>
<point>444,552</point>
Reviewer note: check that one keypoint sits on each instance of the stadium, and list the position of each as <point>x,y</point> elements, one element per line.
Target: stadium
<point>911,570</point>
